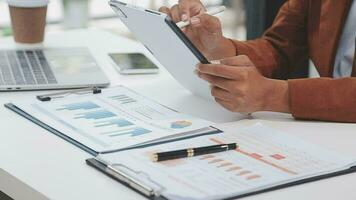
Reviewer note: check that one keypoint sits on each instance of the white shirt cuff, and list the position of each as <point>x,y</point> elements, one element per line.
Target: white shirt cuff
<point>28,3</point>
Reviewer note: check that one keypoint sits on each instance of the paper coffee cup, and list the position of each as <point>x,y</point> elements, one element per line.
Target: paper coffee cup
<point>28,24</point>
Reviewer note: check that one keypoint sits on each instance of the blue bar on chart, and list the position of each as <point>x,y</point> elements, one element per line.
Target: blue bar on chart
<point>123,99</point>
<point>114,122</point>
<point>132,132</point>
<point>180,124</point>
<point>100,114</point>
<point>79,106</point>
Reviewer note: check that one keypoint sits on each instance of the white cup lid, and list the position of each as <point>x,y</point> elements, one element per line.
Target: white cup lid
<point>28,3</point>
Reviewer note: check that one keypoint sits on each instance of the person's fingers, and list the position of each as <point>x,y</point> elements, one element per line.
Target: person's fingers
<point>184,30</point>
<point>217,92</point>
<point>228,72</point>
<point>166,10</point>
<point>175,13</point>
<point>198,10</point>
<point>210,23</point>
<point>222,83</point>
<point>240,61</point>
<point>195,21</point>
<point>190,8</point>
<point>184,8</point>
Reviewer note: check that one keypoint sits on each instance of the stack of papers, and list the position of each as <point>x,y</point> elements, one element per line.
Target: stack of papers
<point>265,159</point>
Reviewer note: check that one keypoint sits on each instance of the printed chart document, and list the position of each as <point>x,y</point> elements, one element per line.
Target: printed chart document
<point>265,158</point>
<point>117,118</point>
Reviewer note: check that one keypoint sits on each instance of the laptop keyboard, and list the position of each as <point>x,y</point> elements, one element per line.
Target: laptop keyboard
<point>28,67</point>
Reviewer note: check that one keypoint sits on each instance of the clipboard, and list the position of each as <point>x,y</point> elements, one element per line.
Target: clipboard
<point>124,179</point>
<point>320,163</point>
<point>50,129</point>
<point>94,91</point>
<point>148,192</point>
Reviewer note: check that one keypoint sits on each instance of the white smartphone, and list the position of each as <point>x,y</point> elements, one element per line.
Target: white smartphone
<point>133,63</point>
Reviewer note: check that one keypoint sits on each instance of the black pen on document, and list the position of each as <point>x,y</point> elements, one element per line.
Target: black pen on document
<point>215,11</point>
<point>184,153</point>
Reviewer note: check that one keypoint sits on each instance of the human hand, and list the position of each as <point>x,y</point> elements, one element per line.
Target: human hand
<point>238,86</point>
<point>204,31</point>
<point>184,10</point>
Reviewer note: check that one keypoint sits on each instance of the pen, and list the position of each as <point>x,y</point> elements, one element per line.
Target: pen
<point>215,11</point>
<point>184,153</point>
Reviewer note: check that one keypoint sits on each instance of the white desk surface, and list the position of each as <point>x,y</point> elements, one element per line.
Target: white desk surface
<point>35,164</point>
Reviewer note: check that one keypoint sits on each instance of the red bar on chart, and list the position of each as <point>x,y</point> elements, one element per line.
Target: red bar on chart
<point>206,157</point>
<point>252,177</point>
<point>236,168</point>
<point>278,157</point>
<point>224,164</point>
<point>256,155</point>
<point>216,161</point>
<point>243,173</point>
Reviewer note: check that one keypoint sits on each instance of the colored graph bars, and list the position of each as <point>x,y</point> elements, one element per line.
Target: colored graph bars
<point>99,114</point>
<point>123,99</point>
<point>180,124</point>
<point>114,122</point>
<point>230,167</point>
<point>278,156</point>
<point>256,156</point>
<point>131,132</point>
<point>104,121</point>
<point>102,114</point>
<point>79,106</point>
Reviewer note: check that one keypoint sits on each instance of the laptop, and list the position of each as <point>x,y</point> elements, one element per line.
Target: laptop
<point>40,69</point>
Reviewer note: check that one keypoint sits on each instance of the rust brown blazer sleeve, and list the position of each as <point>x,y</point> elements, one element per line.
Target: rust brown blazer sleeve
<point>284,44</point>
<point>287,42</point>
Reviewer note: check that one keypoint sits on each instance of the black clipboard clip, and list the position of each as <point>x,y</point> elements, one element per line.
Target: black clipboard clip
<point>129,177</point>
<point>49,97</point>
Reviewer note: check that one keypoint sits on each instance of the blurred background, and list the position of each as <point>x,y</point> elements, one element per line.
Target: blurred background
<point>244,19</point>
<point>70,14</point>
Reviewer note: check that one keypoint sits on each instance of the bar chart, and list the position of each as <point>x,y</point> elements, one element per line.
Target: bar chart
<point>101,121</point>
<point>116,118</point>
<point>79,106</point>
<point>269,149</point>
<point>137,131</point>
<point>270,159</point>
<point>114,122</point>
<point>99,114</point>
<point>180,124</point>
<point>123,99</point>
<point>230,167</point>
